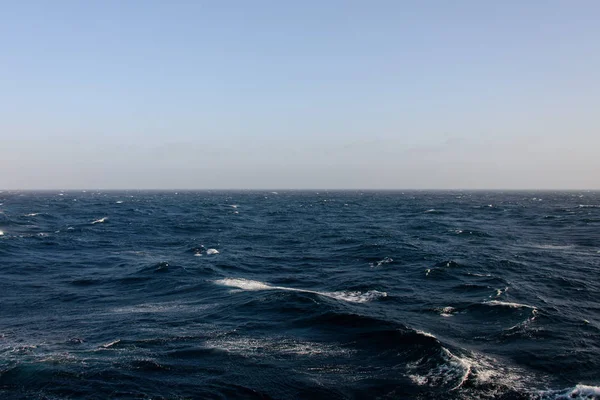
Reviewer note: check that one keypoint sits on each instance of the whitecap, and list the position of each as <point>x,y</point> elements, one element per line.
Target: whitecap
<point>244,284</point>
<point>31,214</point>
<point>425,334</point>
<point>110,344</point>
<point>525,324</point>
<point>379,263</point>
<point>462,363</point>
<point>349,296</point>
<point>447,311</point>
<point>99,221</point>
<point>354,296</point>
<point>212,251</point>
<point>508,304</point>
<point>455,371</point>
<point>1,233</point>
<point>120,202</point>
<point>582,392</point>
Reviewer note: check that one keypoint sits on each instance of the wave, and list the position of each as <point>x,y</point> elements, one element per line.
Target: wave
<point>379,263</point>
<point>508,304</point>
<point>441,268</point>
<point>111,344</point>
<point>522,328</point>
<point>579,392</point>
<point>420,355</point>
<point>452,371</point>
<point>500,292</point>
<point>446,311</point>
<point>349,296</point>
<point>162,266</point>
<point>198,251</point>
<point>420,332</point>
<point>447,264</point>
<point>479,275</point>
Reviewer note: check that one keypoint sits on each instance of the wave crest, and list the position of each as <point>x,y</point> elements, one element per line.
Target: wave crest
<point>348,296</point>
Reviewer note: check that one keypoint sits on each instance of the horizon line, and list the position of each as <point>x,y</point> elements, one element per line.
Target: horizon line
<point>303,189</point>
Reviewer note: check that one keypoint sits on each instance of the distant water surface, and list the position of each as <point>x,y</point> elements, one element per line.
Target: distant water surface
<point>450,295</point>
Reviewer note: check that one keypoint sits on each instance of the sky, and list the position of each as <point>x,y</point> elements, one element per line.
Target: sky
<point>300,94</point>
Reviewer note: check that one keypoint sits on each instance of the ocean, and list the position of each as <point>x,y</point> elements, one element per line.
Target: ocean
<point>299,294</point>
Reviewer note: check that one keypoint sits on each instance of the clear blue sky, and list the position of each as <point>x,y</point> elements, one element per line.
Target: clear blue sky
<point>299,94</point>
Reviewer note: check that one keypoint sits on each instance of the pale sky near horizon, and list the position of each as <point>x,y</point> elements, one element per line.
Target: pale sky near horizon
<point>300,94</point>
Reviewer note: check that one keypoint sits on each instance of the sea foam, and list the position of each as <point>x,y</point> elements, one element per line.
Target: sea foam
<point>274,346</point>
<point>507,304</point>
<point>454,371</point>
<point>579,392</point>
<point>349,296</point>
<point>379,263</point>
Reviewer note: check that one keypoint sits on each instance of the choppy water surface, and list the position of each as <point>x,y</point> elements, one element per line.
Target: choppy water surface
<point>299,295</point>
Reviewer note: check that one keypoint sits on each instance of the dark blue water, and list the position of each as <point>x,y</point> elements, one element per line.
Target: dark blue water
<point>299,295</point>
